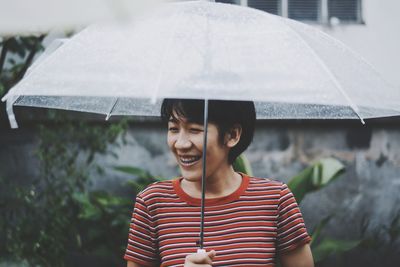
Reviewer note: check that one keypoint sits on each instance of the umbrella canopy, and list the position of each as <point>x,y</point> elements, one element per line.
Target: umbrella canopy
<point>207,50</point>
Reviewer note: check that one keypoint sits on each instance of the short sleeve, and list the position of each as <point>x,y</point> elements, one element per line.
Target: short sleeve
<point>142,247</point>
<point>292,232</point>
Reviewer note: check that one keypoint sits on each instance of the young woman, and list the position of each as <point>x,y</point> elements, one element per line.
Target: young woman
<point>249,221</point>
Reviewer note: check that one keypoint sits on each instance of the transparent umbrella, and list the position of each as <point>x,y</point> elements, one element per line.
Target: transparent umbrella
<point>205,50</point>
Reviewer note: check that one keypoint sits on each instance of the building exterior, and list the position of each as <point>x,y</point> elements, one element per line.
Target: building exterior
<point>370,27</point>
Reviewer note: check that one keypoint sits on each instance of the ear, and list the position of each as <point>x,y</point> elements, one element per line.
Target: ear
<point>232,137</point>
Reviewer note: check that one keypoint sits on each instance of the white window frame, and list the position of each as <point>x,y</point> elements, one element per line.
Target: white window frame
<point>323,12</point>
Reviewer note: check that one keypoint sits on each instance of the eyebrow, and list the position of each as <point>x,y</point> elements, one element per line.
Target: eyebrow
<point>177,121</point>
<point>173,119</point>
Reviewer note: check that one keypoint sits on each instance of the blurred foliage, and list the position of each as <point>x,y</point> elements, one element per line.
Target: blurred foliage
<point>242,164</point>
<point>313,178</point>
<point>103,220</point>
<point>54,220</point>
<point>141,178</point>
<point>328,247</point>
<point>380,246</point>
<point>17,54</point>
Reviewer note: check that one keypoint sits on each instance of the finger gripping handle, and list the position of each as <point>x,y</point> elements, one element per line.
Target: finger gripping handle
<point>200,250</point>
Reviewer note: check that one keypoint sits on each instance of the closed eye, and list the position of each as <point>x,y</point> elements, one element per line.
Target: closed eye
<point>196,130</point>
<point>173,129</point>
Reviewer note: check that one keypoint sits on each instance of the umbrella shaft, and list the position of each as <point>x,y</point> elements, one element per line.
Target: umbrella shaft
<point>203,176</point>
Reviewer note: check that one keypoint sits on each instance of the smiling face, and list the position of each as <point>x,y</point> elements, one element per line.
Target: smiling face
<point>234,117</point>
<point>185,140</point>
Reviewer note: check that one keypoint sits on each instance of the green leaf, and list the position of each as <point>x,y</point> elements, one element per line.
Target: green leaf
<point>394,228</point>
<point>315,177</point>
<point>242,164</point>
<point>88,210</point>
<point>318,228</point>
<point>106,199</point>
<point>329,247</point>
<point>133,171</point>
<point>328,170</point>
<point>12,61</point>
<point>2,89</point>
<point>81,198</point>
<point>15,46</point>
<point>301,184</point>
<point>137,186</point>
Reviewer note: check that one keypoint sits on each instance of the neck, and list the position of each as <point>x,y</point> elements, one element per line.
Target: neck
<point>222,183</point>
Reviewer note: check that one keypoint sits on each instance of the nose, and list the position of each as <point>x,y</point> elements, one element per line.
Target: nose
<point>183,141</point>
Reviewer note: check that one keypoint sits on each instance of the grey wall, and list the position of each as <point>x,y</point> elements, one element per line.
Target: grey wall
<point>370,187</point>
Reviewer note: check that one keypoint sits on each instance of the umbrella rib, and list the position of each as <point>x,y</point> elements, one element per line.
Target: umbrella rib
<point>112,108</point>
<point>10,111</point>
<point>331,75</point>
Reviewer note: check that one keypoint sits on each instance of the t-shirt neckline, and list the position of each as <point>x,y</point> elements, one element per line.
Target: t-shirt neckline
<point>211,201</point>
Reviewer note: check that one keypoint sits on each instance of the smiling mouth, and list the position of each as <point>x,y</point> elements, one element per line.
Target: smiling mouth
<point>188,161</point>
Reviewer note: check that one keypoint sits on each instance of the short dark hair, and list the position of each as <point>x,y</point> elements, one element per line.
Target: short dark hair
<point>224,114</point>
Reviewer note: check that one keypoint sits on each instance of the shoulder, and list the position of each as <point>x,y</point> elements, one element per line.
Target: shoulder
<point>265,182</point>
<point>156,189</point>
<point>265,187</point>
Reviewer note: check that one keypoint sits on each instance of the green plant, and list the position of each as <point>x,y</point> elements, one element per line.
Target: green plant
<point>142,178</point>
<point>51,219</point>
<point>17,54</point>
<point>102,225</point>
<point>242,164</point>
<point>313,178</point>
<point>380,244</point>
<point>47,220</point>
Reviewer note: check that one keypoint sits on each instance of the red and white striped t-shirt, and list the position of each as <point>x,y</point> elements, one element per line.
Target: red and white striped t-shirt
<point>246,228</point>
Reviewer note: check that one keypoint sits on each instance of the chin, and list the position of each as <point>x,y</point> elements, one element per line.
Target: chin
<point>191,176</point>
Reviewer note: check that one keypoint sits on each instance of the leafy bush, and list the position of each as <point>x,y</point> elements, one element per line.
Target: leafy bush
<point>17,54</point>
<point>50,221</point>
<point>47,222</point>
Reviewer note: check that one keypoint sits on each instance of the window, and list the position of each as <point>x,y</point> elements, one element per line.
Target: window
<point>320,11</point>
<point>229,1</point>
<point>344,10</point>
<point>303,9</point>
<point>270,6</point>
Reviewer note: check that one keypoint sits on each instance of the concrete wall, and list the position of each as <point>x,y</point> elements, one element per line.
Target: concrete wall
<point>371,154</point>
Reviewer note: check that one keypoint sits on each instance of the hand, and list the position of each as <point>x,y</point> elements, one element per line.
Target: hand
<point>200,259</point>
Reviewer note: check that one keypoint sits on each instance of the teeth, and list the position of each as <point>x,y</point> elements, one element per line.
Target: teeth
<point>188,160</point>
